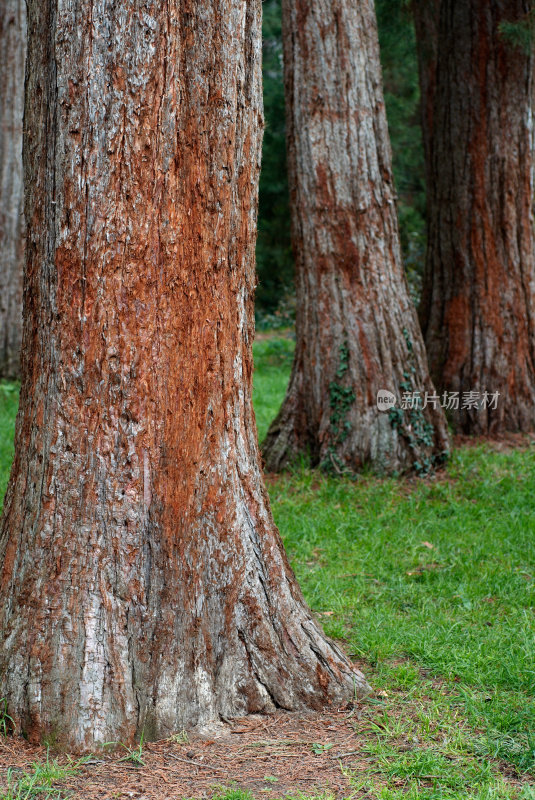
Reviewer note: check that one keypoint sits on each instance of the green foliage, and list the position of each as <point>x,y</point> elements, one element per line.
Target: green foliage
<point>235,793</point>
<point>181,737</point>
<point>276,352</point>
<point>231,793</point>
<point>318,748</point>
<point>520,34</point>
<point>341,398</point>
<point>412,424</point>
<point>283,316</point>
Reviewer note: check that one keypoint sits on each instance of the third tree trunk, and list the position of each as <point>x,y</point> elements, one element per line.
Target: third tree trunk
<point>478,303</point>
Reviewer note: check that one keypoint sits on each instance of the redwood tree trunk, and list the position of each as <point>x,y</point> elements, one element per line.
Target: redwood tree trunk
<point>12,53</point>
<point>144,587</point>
<point>357,330</point>
<point>426,15</point>
<point>478,303</point>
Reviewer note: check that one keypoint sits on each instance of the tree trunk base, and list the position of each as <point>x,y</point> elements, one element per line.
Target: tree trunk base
<point>343,436</point>
<point>271,665</point>
<point>216,632</point>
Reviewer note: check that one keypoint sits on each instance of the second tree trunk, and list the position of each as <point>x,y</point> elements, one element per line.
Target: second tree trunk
<point>357,330</point>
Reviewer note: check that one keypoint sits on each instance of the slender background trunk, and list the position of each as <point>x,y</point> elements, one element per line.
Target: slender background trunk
<point>144,587</point>
<point>478,301</point>
<point>426,15</point>
<point>357,330</point>
<point>12,55</point>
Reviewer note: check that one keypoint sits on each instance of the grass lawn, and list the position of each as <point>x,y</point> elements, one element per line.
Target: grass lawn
<point>431,585</point>
<point>9,400</point>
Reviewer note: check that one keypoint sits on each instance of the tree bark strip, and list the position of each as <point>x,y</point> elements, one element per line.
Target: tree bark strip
<point>478,302</point>
<point>144,586</point>
<point>12,56</point>
<point>426,15</point>
<point>357,330</point>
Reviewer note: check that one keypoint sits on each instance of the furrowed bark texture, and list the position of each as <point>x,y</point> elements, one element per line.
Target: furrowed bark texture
<point>357,330</point>
<point>144,586</point>
<point>12,54</point>
<point>478,301</point>
<point>426,15</point>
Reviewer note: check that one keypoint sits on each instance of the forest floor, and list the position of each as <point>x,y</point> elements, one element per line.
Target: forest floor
<point>430,587</point>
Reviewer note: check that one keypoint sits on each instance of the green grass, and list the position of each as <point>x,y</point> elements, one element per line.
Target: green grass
<point>273,360</point>
<point>462,608</point>
<point>235,793</point>
<point>40,782</point>
<point>431,585</point>
<point>9,399</point>
<point>134,755</point>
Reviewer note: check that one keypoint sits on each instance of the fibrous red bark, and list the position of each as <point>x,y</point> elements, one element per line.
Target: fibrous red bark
<point>357,330</point>
<point>144,587</point>
<point>12,54</point>
<point>478,301</point>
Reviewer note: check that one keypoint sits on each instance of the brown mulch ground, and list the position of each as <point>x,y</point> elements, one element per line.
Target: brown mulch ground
<point>273,755</point>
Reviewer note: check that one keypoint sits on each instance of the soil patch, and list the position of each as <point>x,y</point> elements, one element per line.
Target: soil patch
<point>270,756</point>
